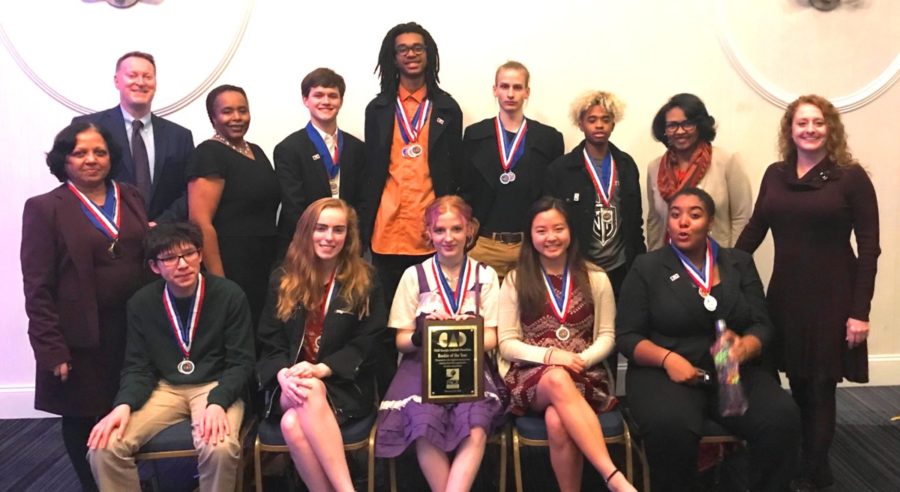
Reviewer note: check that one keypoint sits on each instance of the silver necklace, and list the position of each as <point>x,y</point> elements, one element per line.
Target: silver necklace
<point>244,149</point>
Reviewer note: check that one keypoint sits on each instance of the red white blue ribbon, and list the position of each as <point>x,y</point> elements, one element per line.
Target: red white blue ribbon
<point>607,168</point>
<point>452,300</point>
<point>109,226</point>
<point>703,277</point>
<point>185,334</point>
<point>409,130</point>
<point>560,303</point>
<point>510,152</point>
<point>329,294</point>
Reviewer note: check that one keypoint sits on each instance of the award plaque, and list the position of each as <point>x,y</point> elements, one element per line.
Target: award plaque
<point>452,360</point>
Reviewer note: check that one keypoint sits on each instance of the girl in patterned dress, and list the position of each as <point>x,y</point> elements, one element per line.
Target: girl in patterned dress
<point>448,285</point>
<point>556,328</point>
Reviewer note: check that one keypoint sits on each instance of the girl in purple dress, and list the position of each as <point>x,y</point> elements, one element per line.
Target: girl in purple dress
<point>448,285</point>
<point>556,328</point>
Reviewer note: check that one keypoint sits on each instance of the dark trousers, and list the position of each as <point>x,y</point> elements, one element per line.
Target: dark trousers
<point>75,433</point>
<point>818,410</point>
<point>670,416</point>
<point>389,269</point>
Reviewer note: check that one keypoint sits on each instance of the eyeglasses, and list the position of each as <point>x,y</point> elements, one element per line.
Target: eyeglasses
<point>170,261</point>
<point>686,125</point>
<point>403,49</point>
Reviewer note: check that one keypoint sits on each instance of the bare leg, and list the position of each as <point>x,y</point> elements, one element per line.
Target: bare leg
<point>314,438</point>
<point>556,388</point>
<point>565,457</point>
<point>434,464</point>
<point>467,461</point>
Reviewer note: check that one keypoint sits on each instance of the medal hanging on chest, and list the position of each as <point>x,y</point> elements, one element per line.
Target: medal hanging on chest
<point>604,182</point>
<point>702,278</point>
<point>510,151</point>
<point>452,300</point>
<point>184,333</point>
<point>331,162</point>
<point>410,129</point>
<point>560,303</point>
<point>326,303</point>
<point>109,226</point>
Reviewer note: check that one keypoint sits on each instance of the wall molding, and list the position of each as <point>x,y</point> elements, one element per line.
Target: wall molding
<point>780,97</point>
<point>163,111</point>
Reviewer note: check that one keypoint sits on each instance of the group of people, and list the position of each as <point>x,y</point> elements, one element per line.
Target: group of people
<point>291,309</point>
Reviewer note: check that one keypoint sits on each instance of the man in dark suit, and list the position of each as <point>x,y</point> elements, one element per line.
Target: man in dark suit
<point>159,148</point>
<point>413,152</point>
<point>319,160</point>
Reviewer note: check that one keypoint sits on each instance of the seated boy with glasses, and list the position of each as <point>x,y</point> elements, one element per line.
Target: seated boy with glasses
<point>189,355</point>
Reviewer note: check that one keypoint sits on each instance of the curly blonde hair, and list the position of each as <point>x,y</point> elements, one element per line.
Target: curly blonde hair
<point>451,203</point>
<point>302,285</point>
<point>607,100</point>
<point>835,142</point>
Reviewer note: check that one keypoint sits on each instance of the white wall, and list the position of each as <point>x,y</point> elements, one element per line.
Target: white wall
<point>645,51</point>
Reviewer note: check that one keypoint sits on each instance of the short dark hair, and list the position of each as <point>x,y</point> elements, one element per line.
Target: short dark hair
<point>213,94</point>
<point>694,110</point>
<point>387,69</point>
<point>166,236</point>
<point>136,54</point>
<point>65,141</point>
<point>708,203</point>
<point>322,77</point>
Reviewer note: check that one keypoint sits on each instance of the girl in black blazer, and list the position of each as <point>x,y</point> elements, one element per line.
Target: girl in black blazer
<point>665,325</point>
<point>323,315</point>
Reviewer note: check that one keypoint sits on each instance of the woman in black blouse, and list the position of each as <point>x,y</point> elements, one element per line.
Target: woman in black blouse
<point>233,195</point>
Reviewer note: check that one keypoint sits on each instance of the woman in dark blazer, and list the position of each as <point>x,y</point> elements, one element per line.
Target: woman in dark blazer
<point>322,318</point>
<point>506,159</point>
<point>665,326</point>
<point>81,261</point>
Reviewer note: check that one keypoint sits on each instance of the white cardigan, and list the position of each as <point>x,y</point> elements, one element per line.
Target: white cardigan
<point>727,184</point>
<point>513,349</point>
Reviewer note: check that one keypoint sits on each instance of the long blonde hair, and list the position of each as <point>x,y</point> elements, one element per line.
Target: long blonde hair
<point>303,285</point>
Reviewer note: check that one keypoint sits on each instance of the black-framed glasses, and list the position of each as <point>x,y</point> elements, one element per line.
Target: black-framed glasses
<point>403,49</point>
<point>172,260</point>
<point>686,125</point>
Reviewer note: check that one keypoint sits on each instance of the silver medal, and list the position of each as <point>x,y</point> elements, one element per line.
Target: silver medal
<point>334,187</point>
<point>504,178</point>
<point>563,333</point>
<point>710,303</point>
<point>186,367</point>
<point>412,151</point>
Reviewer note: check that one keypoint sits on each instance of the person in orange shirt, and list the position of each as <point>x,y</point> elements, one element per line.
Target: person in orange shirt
<point>413,155</point>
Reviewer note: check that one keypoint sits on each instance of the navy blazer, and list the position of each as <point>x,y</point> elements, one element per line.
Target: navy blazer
<point>346,347</point>
<point>444,150</point>
<point>567,179</point>
<point>58,273</point>
<point>172,144</point>
<point>303,179</point>
<point>543,144</point>
<point>660,303</point>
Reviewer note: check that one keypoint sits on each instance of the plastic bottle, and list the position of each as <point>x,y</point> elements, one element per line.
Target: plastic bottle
<point>732,401</point>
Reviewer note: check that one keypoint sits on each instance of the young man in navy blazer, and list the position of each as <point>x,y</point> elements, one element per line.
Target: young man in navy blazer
<point>163,146</point>
<point>319,160</point>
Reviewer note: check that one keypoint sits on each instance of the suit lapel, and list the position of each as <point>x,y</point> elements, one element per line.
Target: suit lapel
<point>309,153</point>
<point>115,124</point>
<point>73,226</point>
<point>437,122</point>
<point>160,142</point>
<point>683,288</point>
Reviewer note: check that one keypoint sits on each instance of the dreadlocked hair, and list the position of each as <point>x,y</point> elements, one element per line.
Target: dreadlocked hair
<point>387,68</point>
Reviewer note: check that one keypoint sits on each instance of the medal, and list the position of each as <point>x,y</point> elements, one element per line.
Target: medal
<point>702,278</point>
<point>109,226</point>
<point>604,187</point>
<point>331,162</point>
<point>452,300</point>
<point>184,335</point>
<point>409,130</point>
<point>186,367</point>
<point>334,187</point>
<point>510,152</point>
<point>560,303</point>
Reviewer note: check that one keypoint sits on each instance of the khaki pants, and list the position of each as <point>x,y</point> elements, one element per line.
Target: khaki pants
<point>502,257</point>
<point>114,468</point>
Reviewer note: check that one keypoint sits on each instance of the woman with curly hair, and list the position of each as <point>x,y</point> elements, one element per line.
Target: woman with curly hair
<point>820,291</point>
<point>322,317</point>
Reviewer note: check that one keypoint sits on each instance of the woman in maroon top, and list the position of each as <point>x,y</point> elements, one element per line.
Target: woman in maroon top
<point>820,291</point>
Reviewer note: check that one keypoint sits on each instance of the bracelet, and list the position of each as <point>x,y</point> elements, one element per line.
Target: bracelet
<point>612,475</point>
<point>548,355</point>
<point>663,363</point>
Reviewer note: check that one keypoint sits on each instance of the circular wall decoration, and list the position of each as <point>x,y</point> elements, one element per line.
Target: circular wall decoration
<point>122,4</point>
<point>163,111</point>
<point>780,97</point>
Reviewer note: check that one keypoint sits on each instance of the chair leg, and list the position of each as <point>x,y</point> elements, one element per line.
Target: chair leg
<point>629,459</point>
<point>503,460</point>
<point>392,471</point>
<point>517,460</point>
<point>257,466</point>
<point>371,461</point>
